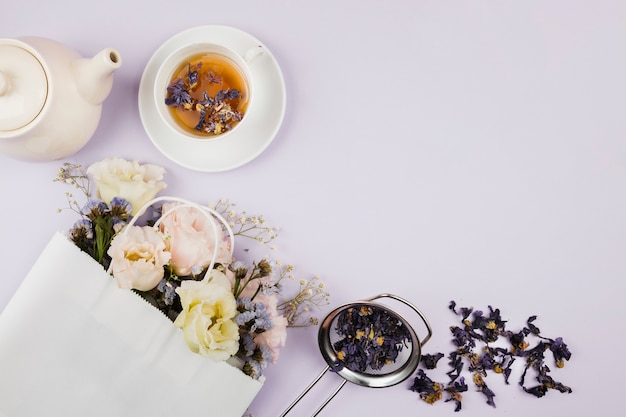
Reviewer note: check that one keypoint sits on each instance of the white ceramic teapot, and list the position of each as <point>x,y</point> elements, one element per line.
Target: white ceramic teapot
<point>50,97</point>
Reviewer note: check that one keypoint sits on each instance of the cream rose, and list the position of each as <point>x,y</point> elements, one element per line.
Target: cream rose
<point>138,255</point>
<point>208,317</point>
<point>192,239</point>
<point>117,177</point>
<point>275,338</point>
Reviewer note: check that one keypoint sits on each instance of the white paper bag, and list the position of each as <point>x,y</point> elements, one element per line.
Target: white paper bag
<point>73,344</point>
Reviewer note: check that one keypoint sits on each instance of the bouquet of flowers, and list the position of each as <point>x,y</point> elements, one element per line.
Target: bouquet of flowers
<point>180,260</point>
<point>84,321</point>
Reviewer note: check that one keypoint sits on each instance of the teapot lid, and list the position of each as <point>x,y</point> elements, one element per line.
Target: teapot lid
<point>23,87</point>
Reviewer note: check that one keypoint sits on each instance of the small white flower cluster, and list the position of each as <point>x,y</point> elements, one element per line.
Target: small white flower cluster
<point>250,226</point>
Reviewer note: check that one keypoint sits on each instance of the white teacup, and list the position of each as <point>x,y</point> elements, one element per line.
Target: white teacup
<point>183,55</point>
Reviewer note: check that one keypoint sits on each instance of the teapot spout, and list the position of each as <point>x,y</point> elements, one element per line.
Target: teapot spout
<point>94,77</point>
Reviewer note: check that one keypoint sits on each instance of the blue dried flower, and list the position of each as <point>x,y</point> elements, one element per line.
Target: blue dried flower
<point>121,208</point>
<point>454,390</point>
<point>253,316</point>
<point>192,75</point>
<point>214,79</point>
<point>560,351</point>
<point>266,355</point>
<point>255,358</point>
<point>245,317</point>
<point>82,229</point>
<point>245,304</point>
<point>227,94</point>
<point>246,344</point>
<point>456,363</point>
<point>429,390</point>
<point>261,324</point>
<point>94,209</point>
<point>252,368</point>
<point>430,361</point>
<point>169,291</point>
<point>118,224</point>
<point>490,326</point>
<point>530,327</point>
<point>517,340</point>
<point>546,382</point>
<point>462,338</point>
<point>239,268</point>
<point>484,389</point>
<point>178,95</point>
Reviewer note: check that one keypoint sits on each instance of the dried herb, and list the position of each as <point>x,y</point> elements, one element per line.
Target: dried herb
<point>371,338</point>
<point>478,328</point>
<point>431,391</point>
<point>430,361</point>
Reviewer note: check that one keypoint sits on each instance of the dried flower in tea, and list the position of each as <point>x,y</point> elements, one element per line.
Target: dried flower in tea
<point>478,327</point>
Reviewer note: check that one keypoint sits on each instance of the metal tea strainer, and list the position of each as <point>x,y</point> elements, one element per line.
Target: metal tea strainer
<point>331,340</point>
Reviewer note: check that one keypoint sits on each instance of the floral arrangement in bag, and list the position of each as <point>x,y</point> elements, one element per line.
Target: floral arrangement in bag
<point>179,256</point>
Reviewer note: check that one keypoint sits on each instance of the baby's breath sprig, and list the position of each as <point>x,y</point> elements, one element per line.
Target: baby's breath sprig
<point>76,176</point>
<point>250,226</point>
<point>310,294</point>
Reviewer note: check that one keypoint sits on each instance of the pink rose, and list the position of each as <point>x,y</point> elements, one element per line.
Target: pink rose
<point>192,239</point>
<point>275,338</point>
<point>138,255</point>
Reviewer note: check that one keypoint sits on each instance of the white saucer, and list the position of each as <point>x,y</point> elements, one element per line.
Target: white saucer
<point>248,140</point>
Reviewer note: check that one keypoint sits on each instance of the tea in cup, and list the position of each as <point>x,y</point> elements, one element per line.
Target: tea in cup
<point>204,90</point>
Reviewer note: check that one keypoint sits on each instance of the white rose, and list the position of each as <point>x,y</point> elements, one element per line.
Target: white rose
<point>117,177</point>
<point>138,255</point>
<point>208,317</point>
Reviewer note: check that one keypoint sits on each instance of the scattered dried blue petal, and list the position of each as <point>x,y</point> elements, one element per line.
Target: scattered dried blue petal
<point>454,390</point>
<point>478,326</point>
<point>560,352</point>
<point>429,390</point>
<point>430,361</point>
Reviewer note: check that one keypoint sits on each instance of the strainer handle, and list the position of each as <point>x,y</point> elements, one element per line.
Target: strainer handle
<point>307,389</point>
<point>412,307</point>
<point>330,397</point>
